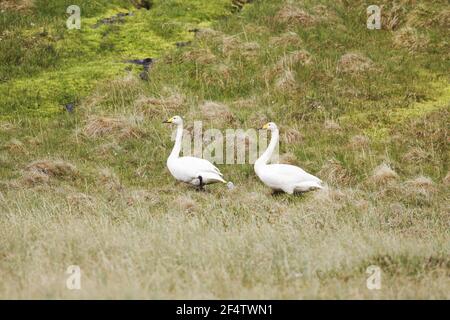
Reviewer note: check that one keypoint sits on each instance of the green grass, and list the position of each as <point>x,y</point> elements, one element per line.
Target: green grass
<point>138,234</point>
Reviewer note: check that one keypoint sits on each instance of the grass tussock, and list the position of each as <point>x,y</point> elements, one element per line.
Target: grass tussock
<point>335,173</point>
<point>383,174</point>
<point>200,56</point>
<point>354,63</point>
<point>332,125</point>
<point>15,146</point>
<point>100,126</point>
<point>80,200</point>
<point>288,158</point>
<point>416,155</point>
<point>186,204</point>
<point>286,81</point>
<point>164,105</point>
<point>410,39</point>
<point>141,196</point>
<point>216,111</point>
<point>293,59</point>
<point>108,178</point>
<point>359,141</point>
<point>286,39</point>
<point>294,16</point>
<point>40,171</point>
<point>446,179</point>
<point>291,136</point>
<point>16,4</point>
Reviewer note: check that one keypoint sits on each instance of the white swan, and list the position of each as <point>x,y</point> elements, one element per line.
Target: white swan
<point>283,177</point>
<point>195,171</point>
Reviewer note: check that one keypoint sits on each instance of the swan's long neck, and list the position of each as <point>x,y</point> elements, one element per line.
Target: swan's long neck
<point>265,157</point>
<point>178,139</point>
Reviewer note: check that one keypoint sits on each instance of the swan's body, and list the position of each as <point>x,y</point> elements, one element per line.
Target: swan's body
<point>283,177</point>
<point>195,171</point>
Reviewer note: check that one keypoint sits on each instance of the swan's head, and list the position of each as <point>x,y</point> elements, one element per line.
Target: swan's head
<point>175,120</point>
<point>270,126</point>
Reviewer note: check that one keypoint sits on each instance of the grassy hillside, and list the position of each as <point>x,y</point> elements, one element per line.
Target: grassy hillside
<point>365,110</point>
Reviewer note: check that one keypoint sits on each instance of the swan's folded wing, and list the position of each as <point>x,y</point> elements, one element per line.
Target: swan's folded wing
<point>292,174</point>
<point>199,165</point>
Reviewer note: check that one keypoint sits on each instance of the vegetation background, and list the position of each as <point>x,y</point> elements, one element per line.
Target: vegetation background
<point>365,110</point>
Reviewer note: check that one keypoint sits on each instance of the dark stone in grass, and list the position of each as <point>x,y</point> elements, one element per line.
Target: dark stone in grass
<point>118,18</point>
<point>70,107</point>
<point>143,4</point>
<point>183,44</point>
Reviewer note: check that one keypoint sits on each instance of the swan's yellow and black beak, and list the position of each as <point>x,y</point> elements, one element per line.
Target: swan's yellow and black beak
<point>266,126</point>
<point>168,120</point>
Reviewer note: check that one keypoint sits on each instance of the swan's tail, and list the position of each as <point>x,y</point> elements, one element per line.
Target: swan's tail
<point>308,186</point>
<point>211,177</point>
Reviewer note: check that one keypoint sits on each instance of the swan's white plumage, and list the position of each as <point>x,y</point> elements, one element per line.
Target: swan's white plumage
<point>189,169</point>
<point>283,177</point>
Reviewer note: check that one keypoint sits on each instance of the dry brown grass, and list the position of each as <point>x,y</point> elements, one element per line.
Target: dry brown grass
<point>291,136</point>
<point>333,172</point>
<point>185,204</point>
<point>245,103</point>
<point>15,146</point>
<point>416,155</point>
<point>99,126</point>
<point>141,196</point>
<point>16,4</point>
<point>283,71</point>
<point>199,56</point>
<point>137,234</point>
<point>249,49</point>
<point>288,158</point>
<point>383,174</point>
<point>216,111</point>
<point>223,70</point>
<point>208,34</point>
<point>332,125</point>
<point>294,16</point>
<point>421,182</point>
<point>80,200</point>
<point>286,81</point>
<point>443,19</point>
<point>252,28</point>
<point>107,149</point>
<point>292,59</point>
<point>286,39</point>
<point>353,63</point>
<point>325,14</point>
<point>53,168</point>
<point>418,190</point>
<point>161,105</point>
<point>230,44</point>
<point>40,171</point>
<point>446,180</point>
<point>35,177</point>
<point>392,16</point>
<point>6,126</point>
<point>359,141</point>
<point>108,178</point>
<point>409,38</point>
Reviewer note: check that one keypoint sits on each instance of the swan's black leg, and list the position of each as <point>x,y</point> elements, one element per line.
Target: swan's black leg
<point>276,192</point>
<point>200,187</point>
